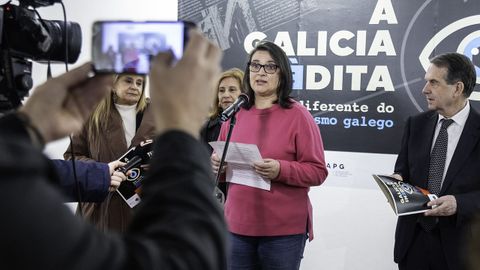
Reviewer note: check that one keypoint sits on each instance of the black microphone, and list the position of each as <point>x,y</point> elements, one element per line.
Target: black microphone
<point>130,164</point>
<point>232,109</point>
<point>137,155</point>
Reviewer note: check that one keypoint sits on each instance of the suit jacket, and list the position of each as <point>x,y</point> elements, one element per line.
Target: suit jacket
<point>178,225</point>
<point>462,180</point>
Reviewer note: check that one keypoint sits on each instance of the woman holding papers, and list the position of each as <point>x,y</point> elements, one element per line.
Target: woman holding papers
<point>122,120</point>
<point>269,228</point>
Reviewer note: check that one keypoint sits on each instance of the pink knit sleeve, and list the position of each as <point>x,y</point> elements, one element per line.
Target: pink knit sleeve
<point>309,168</point>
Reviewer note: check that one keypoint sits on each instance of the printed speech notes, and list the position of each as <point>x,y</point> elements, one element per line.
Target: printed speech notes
<point>240,158</point>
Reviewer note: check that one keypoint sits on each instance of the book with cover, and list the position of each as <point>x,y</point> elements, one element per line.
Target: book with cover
<point>404,198</point>
<point>138,156</point>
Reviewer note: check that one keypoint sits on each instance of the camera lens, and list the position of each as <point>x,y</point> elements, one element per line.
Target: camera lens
<point>40,40</point>
<point>56,52</point>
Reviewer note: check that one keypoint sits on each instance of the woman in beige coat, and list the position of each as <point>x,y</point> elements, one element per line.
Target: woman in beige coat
<point>120,121</point>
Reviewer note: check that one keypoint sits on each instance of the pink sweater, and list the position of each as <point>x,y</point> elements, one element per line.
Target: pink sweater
<point>291,137</point>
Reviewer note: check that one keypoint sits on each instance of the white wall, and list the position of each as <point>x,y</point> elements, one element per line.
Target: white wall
<point>354,225</point>
<point>85,12</point>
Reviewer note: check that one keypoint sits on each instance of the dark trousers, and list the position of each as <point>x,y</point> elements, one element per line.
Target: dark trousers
<point>425,253</point>
<point>266,253</point>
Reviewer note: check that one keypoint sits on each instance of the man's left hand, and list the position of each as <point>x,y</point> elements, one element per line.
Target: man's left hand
<point>443,206</point>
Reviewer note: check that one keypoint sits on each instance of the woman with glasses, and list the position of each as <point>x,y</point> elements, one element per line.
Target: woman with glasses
<point>269,228</point>
<point>121,121</point>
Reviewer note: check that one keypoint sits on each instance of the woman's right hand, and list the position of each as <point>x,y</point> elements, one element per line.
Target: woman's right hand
<point>216,164</point>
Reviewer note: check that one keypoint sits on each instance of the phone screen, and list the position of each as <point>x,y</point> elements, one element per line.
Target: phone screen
<point>127,47</point>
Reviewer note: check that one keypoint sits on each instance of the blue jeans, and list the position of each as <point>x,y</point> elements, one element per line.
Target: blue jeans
<point>266,252</point>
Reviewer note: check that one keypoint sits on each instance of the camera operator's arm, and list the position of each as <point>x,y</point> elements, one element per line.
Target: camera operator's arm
<point>179,224</point>
<point>61,105</point>
<point>57,108</point>
<point>36,225</point>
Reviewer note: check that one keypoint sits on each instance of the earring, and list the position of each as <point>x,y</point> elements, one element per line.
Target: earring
<point>114,97</point>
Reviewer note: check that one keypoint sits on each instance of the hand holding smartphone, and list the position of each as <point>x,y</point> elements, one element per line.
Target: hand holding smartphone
<point>128,46</point>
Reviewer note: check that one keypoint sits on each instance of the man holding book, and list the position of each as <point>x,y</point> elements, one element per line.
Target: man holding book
<point>440,151</point>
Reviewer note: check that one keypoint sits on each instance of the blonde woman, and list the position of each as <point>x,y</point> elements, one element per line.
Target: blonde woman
<point>119,122</point>
<point>229,87</point>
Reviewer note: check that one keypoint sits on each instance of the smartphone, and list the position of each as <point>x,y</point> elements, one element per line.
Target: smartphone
<point>128,46</point>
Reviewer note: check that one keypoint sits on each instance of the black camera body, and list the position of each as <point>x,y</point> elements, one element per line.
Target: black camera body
<point>24,38</point>
<point>38,3</point>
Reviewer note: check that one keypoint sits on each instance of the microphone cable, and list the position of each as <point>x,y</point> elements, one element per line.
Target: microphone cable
<point>49,76</point>
<point>72,152</point>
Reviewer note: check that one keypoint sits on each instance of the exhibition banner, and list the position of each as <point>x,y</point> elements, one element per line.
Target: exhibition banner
<point>358,65</point>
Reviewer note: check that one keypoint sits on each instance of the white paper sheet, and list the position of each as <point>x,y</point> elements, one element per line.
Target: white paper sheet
<point>240,158</point>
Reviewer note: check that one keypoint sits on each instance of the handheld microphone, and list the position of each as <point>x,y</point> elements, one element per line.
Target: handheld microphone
<point>137,155</point>
<point>235,107</point>
<point>130,164</point>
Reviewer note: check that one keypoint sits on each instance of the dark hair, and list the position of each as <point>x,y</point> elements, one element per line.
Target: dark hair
<point>459,68</point>
<point>284,88</point>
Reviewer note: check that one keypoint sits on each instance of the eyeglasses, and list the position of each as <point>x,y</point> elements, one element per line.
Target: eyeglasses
<point>269,68</point>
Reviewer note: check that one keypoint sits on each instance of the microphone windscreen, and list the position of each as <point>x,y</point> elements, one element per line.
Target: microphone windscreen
<point>244,97</point>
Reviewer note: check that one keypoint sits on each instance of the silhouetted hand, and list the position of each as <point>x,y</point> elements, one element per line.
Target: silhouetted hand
<point>61,105</point>
<point>182,93</point>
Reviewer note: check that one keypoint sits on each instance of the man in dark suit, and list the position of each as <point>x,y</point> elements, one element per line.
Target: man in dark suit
<point>178,225</point>
<point>435,240</point>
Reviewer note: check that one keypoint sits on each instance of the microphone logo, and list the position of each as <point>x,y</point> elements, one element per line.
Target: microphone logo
<point>235,107</point>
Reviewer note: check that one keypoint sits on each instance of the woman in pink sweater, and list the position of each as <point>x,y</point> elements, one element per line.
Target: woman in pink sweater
<point>269,228</point>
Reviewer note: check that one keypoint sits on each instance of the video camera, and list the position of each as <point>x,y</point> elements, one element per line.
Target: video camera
<point>25,37</point>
